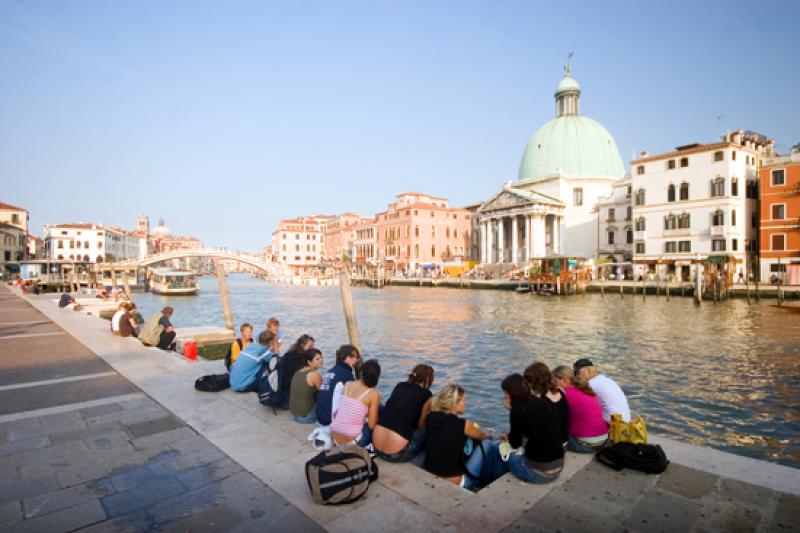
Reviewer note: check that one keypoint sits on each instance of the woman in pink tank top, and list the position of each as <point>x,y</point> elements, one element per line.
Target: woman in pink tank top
<point>359,402</point>
<point>588,431</point>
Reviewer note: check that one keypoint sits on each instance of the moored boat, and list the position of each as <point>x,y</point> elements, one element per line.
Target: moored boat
<point>173,282</point>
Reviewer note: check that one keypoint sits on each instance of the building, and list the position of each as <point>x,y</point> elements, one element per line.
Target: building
<point>365,245</point>
<point>698,200</point>
<point>15,216</point>
<point>89,243</point>
<point>12,247</point>
<point>299,242</point>
<point>339,236</point>
<point>615,223</point>
<point>568,165</point>
<point>161,239</point>
<point>780,216</point>
<point>421,231</point>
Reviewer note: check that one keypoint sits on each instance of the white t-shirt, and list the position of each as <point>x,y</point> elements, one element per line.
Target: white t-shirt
<point>612,399</point>
<point>115,320</point>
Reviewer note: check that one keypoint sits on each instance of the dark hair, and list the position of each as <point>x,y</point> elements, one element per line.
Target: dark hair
<point>422,375</point>
<point>167,311</point>
<point>345,351</point>
<point>272,320</point>
<point>245,325</point>
<point>370,372</point>
<point>311,354</point>
<point>517,388</point>
<point>539,378</point>
<point>297,347</point>
<point>265,337</point>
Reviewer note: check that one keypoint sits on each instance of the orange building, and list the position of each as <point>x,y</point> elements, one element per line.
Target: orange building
<point>779,239</point>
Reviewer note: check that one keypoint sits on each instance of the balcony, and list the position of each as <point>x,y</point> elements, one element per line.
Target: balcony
<point>717,231</point>
<point>640,235</point>
<point>676,232</point>
<point>611,219</point>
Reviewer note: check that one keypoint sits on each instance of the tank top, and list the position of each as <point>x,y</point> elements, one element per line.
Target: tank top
<point>444,444</point>
<point>349,418</point>
<point>303,396</point>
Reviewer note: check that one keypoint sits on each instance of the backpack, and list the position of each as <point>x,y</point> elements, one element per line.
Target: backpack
<point>229,354</point>
<point>270,392</point>
<point>340,475</point>
<point>648,458</point>
<point>213,383</point>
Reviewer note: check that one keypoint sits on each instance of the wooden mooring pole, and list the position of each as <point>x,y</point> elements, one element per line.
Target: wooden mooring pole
<point>125,287</point>
<point>667,288</point>
<point>698,281</point>
<point>346,292</point>
<point>223,294</point>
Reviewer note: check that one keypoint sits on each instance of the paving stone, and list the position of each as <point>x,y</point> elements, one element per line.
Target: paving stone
<point>10,514</point>
<point>132,416</point>
<point>150,427</point>
<point>83,473</point>
<point>98,410</point>
<point>86,432</point>
<point>560,511</point>
<point>135,522</point>
<point>115,440</point>
<point>139,475</point>
<point>165,438</point>
<point>65,498</point>
<point>596,484</point>
<point>17,446</point>
<point>68,519</point>
<point>63,421</point>
<point>732,490</point>
<point>208,473</point>
<point>18,490</point>
<point>144,495</point>
<point>687,482</point>
<point>663,511</point>
<point>215,518</point>
<point>49,457</point>
<point>787,514</point>
<point>728,517</point>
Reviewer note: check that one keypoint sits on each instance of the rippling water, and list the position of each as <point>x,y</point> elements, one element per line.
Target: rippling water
<point>722,374</point>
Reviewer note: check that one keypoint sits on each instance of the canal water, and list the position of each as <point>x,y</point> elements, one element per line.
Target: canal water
<point>725,375</point>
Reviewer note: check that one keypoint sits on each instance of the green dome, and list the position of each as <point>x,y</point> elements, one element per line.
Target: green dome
<point>567,84</point>
<point>573,145</point>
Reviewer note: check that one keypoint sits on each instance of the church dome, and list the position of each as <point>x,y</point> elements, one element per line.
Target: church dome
<point>161,230</point>
<point>571,145</point>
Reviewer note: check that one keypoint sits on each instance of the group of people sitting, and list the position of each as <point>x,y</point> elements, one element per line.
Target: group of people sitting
<point>549,412</point>
<point>157,329</point>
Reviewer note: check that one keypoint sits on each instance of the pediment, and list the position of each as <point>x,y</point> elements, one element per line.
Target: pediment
<point>506,200</point>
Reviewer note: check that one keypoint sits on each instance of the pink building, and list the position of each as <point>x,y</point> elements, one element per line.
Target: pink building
<point>418,230</point>
<point>339,236</point>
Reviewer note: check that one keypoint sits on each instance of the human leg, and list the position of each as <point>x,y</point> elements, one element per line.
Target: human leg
<point>578,446</point>
<point>310,418</point>
<point>165,340</point>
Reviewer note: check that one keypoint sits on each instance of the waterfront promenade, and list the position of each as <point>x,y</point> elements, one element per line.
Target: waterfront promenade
<point>250,462</point>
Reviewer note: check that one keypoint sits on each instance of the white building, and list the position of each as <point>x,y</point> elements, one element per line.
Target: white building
<point>299,242</point>
<point>89,243</point>
<point>615,222</point>
<point>569,164</point>
<point>699,200</point>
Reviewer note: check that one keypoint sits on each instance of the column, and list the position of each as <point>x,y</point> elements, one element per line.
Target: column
<point>483,241</point>
<point>557,235</point>
<point>490,241</point>
<point>501,241</point>
<point>539,236</point>
<point>514,239</point>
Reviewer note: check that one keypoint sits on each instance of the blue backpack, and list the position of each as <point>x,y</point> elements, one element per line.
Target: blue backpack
<point>270,390</point>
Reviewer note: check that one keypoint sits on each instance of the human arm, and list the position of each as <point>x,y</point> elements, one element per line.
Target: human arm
<point>514,433</point>
<point>336,398</point>
<point>314,379</point>
<point>424,414</point>
<point>473,431</point>
<point>374,407</point>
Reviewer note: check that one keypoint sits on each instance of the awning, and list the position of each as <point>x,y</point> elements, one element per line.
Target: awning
<point>12,267</point>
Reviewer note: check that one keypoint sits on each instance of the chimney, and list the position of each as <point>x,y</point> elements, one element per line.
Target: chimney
<point>644,153</point>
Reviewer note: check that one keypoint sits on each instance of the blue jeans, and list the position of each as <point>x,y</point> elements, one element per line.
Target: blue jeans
<point>366,436</point>
<point>310,418</point>
<point>575,445</point>
<point>413,447</point>
<point>484,465</point>
<point>519,467</point>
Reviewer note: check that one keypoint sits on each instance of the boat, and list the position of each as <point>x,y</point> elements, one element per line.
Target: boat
<point>521,289</point>
<point>173,282</point>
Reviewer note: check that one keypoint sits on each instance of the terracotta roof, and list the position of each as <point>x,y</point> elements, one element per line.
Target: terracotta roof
<point>9,206</point>
<point>73,226</point>
<point>7,225</point>
<point>420,194</point>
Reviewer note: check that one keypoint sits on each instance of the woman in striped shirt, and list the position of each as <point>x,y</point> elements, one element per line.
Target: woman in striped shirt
<point>359,401</point>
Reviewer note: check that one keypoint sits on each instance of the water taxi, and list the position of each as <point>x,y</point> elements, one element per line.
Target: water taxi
<point>173,282</point>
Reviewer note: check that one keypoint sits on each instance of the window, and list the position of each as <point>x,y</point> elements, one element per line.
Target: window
<point>734,187</point>
<point>433,231</point>
<point>778,178</point>
<point>733,218</point>
<point>778,211</point>
<point>416,250</point>
<point>734,244</point>
<point>778,242</point>
<point>640,197</point>
<point>733,155</point>
<point>433,214</point>
<point>611,214</point>
<point>433,250</point>
<point>640,170</point>
<point>753,221</point>
<point>684,221</point>
<point>408,212</point>
<point>60,244</point>
<point>718,156</point>
<point>99,244</point>
<point>628,212</point>
<point>577,196</point>
<point>670,247</point>
<point>14,218</point>
<point>296,247</point>
<point>416,231</point>
<point>684,162</point>
<point>639,247</point>
<point>455,234</point>
<point>718,187</point>
<point>684,191</point>
<point>752,189</point>
<point>717,218</point>
<point>671,164</point>
<point>610,237</point>
<point>72,244</point>
<point>628,235</point>
<point>447,233</point>
<point>78,244</point>
<point>685,246</point>
<point>671,193</point>
<point>640,224</point>
<point>718,245</point>
<point>670,222</point>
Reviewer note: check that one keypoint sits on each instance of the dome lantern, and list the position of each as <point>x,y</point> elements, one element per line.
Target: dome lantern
<point>567,95</point>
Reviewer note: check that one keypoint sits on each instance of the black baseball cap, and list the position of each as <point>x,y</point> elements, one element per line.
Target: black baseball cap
<point>581,363</point>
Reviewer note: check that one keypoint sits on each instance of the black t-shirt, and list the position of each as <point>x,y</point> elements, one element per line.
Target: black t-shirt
<point>538,420</point>
<point>125,329</point>
<point>164,321</point>
<point>562,411</point>
<point>444,444</point>
<point>403,409</point>
<point>292,362</point>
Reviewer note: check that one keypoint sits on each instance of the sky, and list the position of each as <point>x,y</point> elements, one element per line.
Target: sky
<point>225,117</point>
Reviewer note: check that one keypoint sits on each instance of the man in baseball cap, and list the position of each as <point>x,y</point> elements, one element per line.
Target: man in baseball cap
<point>609,394</point>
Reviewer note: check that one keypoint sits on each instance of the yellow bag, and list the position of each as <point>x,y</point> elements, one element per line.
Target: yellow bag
<point>634,431</point>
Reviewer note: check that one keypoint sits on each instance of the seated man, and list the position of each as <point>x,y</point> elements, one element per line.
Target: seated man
<point>347,357</point>
<point>251,362</point>
<point>158,331</point>
<point>65,300</point>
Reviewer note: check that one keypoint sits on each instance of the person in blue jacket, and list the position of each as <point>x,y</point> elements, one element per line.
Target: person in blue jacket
<point>347,357</point>
<point>251,363</point>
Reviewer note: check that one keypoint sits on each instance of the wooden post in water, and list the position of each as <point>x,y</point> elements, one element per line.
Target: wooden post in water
<point>758,294</point>
<point>347,305</point>
<point>747,288</point>
<point>113,278</point>
<point>223,294</point>
<point>666,285</point>
<point>644,286</point>
<point>620,288</point>
<point>125,287</point>
<point>602,287</point>
<point>780,283</point>
<point>697,282</point>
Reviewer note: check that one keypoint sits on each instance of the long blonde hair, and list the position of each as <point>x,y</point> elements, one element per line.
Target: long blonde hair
<point>448,397</point>
<point>565,372</point>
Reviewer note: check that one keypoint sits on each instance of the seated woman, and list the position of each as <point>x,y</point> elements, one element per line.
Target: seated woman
<point>588,432</point>
<point>445,441</point>
<point>304,387</point>
<point>400,433</point>
<point>541,383</point>
<point>359,401</point>
<point>293,360</point>
<point>536,419</point>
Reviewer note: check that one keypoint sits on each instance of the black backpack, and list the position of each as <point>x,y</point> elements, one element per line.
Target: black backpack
<point>341,474</point>
<point>648,458</point>
<point>213,383</point>
<point>270,384</point>
<point>229,355</point>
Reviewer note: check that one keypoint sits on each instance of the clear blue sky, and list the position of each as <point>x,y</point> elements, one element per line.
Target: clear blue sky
<point>224,117</point>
